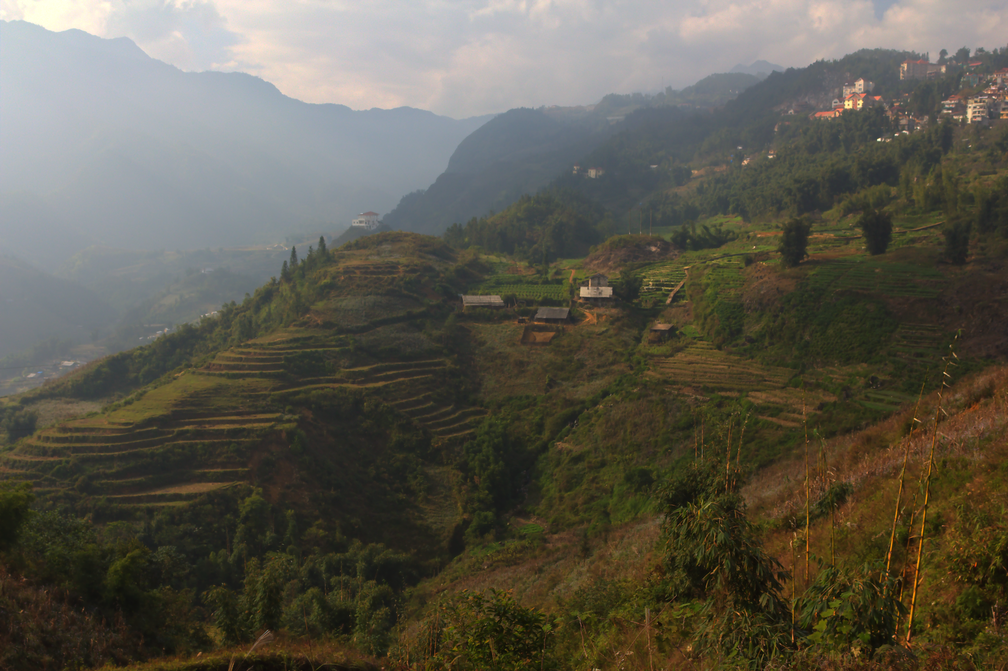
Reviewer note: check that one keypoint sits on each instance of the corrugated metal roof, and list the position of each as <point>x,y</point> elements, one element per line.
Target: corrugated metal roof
<point>552,313</point>
<point>596,292</point>
<point>482,302</point>
<point>662,327</point>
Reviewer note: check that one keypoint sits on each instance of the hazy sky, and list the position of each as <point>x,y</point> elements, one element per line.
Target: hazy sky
<point>467,57</point>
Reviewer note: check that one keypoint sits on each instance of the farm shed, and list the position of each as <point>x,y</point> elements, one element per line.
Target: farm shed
<point>662,332</point>
<point>482,302</point>
<point>552,315</point>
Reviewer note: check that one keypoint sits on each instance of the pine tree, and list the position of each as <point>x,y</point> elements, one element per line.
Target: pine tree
<point>293,258</point>
<point>285,272</point>
<point>321,245</point>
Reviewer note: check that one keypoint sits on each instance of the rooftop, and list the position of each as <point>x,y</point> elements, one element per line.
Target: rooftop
<point>552,313</point>
<point>482,302</point>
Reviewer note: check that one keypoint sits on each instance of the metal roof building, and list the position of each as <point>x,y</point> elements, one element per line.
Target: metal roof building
<point>552,314</point>
<point>482,302</point>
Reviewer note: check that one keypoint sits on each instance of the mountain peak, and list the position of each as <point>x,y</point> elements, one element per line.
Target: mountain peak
<point>757,68</point>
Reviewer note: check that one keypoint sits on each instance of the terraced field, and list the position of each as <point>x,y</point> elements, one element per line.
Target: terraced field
<point>167,459</point>
<point>521,288</point>
<point>662,279</point>
<point>726,274</point>
<point>897,280</point>
<point>703,368</point>
<point>402,383</point>
<point>917,342</point>
<point>701,365</point>
<point>194,435</point>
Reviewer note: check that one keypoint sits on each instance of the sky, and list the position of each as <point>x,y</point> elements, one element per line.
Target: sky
<point>468,57</point>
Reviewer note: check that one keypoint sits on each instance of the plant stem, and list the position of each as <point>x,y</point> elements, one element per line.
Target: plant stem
<point>899,495</point>
<point>927,490</point>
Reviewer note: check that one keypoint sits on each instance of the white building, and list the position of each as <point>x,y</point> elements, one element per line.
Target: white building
<point>976,110</point>
<point>366,220</point>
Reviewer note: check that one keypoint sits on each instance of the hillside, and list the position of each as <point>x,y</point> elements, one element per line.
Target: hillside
<point>98,136</point>
<point>524,150</point>
<point>516,153</point>
<point>807,449</point>
<point>365,409</point>
<point>37,306</point>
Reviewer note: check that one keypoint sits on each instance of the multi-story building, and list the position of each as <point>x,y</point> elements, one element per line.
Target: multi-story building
<point>977,110</point>
<point>920,70</point>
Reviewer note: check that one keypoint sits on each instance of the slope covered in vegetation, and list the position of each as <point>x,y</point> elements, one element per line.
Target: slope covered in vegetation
<point>348,458</point>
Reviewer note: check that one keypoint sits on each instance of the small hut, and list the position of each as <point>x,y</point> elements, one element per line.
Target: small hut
<point>662,332</point>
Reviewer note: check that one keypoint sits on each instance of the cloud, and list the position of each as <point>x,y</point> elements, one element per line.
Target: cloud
<point>463,57</point>
<point>190,34</point>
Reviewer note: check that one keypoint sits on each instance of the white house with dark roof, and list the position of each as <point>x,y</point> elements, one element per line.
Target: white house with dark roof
<point>366,220</point>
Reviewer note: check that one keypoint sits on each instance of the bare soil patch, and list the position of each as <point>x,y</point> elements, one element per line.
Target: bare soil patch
<point>650,249</point>
<point>764,287</point>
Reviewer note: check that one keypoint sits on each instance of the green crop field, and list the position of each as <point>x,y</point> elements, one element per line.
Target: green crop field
<point>521,288</point>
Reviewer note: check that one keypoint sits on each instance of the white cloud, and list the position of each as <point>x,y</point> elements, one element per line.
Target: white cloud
<point>462,57</point>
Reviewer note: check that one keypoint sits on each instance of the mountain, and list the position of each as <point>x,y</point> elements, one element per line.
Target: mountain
<point>35,306</point>
<point>760,69</point>
<point>523,150</point>
<point>104,145</point>
<point>516,153</point>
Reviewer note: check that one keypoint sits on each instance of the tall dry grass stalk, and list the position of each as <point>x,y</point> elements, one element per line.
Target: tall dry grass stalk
<point>265,639</point>
<point>824,479</point>
<point>794,578</point>
<point>899,495</point>
<point>927,484</point>
<point>808,484</point>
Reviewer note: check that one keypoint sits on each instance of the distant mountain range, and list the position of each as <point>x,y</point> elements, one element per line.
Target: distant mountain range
<point>105,145</point>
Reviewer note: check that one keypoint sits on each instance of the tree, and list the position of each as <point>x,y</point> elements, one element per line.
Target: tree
<point>957,235</point>
<point>876,226</point>
<point>293,258</point>
<point>962,56</point>
<point>794,241</point>
<point>942,56</point>
<point>19,423</point>
<point>321,245</point>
